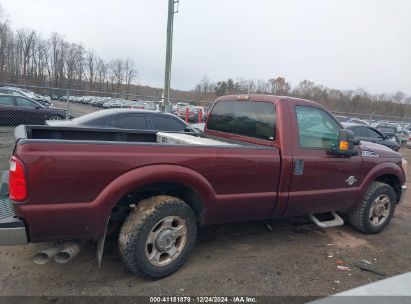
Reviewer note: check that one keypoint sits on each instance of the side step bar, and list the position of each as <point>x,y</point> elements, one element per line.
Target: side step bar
<point>337,221</point>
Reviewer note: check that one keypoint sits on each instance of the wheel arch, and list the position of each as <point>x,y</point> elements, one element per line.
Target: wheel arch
<point>393,181</point>
<point>387,172</point>
<point>190,186</point>
<point>190,196</point>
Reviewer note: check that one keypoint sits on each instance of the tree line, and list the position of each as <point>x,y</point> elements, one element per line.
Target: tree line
<point>28,58</point>
<point>339,101</point>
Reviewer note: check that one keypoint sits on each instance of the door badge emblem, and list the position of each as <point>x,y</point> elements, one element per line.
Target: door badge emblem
<point>351,180</point>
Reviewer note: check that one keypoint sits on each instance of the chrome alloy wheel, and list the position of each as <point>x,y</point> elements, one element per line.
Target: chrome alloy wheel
<point>166,240</point>
<point>380,210</point>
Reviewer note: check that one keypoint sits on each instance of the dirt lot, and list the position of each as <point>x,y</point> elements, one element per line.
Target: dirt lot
<point>238,259</point>
<point>75,109</point>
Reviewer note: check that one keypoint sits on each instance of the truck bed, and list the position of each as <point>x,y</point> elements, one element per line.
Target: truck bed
<point>106,135</point>
<point>76,174</point>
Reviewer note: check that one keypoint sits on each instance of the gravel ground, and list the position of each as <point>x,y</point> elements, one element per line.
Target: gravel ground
<point>75,109</point>
<point>239,259</point>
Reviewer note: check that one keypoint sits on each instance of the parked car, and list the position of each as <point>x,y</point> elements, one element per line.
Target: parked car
<point>388,290</point>
<point>390,132</point>
<point>397,125</point>
<point>198,127</point>
<point>387,125</point>
<point>134,104</point>
<point>370,134</point>
<point>258,158</point>
<point>127,119</point>
<point>341,118</point>
<point>26,93</point>
<point>114,103</point>
<point>191,110</point>
<point>359,121</point>
<point>99,101</point>
<point>16,110</point>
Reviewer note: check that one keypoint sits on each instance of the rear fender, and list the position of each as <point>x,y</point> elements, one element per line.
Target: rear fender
<point>140,177</point>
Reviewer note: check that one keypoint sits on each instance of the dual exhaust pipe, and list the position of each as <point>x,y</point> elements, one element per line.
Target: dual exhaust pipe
<point>61,253</point>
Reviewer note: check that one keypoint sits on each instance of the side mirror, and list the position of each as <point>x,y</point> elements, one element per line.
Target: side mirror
<point>345,144</point>
<point>188,130</point>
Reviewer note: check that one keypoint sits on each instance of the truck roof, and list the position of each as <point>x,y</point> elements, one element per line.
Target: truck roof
<point>267,98</point>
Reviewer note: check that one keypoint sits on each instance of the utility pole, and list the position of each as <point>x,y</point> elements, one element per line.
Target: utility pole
<point>169,54</point>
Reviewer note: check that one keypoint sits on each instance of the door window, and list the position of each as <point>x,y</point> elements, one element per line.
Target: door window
<point>316,128</point>
<point>359,132</point>
<point>6,101</point>
<point>373,134</point>
<point>23,102</point>
<point>164,123</point>
<point>132,122</point>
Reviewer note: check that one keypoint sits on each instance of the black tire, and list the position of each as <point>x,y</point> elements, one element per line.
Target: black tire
<point>359,217</point>
<point>55,117</point>
<point>143,221</point>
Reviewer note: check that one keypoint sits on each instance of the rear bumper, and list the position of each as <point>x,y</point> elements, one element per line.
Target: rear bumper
<point>12,232</point>
<point>12,229</point>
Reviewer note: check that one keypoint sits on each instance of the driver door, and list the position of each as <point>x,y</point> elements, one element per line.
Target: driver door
<point>320,182</point>
<point>29,112</point>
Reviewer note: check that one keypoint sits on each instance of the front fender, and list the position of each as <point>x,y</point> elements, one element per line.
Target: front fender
<point>379,170</point>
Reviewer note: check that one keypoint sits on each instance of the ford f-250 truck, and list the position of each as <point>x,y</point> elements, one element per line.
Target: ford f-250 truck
<point>260,157</point>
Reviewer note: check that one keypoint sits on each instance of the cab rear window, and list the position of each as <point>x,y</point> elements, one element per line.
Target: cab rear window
<point>247,118</point>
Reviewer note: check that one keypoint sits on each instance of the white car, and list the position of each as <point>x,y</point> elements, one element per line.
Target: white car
<point>359,121</point>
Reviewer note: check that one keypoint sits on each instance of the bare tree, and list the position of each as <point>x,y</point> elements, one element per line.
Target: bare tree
<point>117,71</point>
<point>6,38</point>
<point>91,63</point>
<point>71,64</point>
<point>279,86</point>
<point>101,74</point>
<point>130,73</point>
<point>25,45</point>
<point>204,87</point>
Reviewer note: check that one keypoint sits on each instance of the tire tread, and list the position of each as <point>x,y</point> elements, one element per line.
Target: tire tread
<point>136,222</point>
<point>357,216</point>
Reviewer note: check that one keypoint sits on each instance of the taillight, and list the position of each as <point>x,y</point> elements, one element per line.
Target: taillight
<point>17,180</point>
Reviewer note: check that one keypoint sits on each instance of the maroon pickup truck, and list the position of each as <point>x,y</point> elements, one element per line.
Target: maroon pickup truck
<point>260,157</point>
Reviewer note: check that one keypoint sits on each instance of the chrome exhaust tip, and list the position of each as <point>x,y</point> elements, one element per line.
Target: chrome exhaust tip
<point>45,255</point>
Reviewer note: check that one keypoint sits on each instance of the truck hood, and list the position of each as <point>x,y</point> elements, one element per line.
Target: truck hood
<point>381,150</point>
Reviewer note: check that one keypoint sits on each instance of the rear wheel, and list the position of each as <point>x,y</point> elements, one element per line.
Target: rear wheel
<point>158,236</point>
<point>376,209</point>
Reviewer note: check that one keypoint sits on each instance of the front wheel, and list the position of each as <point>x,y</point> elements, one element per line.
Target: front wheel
<point>158,236</point>
<point>55,117</point>
<point>376,209</point>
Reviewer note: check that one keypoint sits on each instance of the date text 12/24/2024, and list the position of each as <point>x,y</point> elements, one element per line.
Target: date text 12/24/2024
<point>203,299</point>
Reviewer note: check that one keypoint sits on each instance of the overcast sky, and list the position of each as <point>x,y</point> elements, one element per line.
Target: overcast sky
<point>345,44</point>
